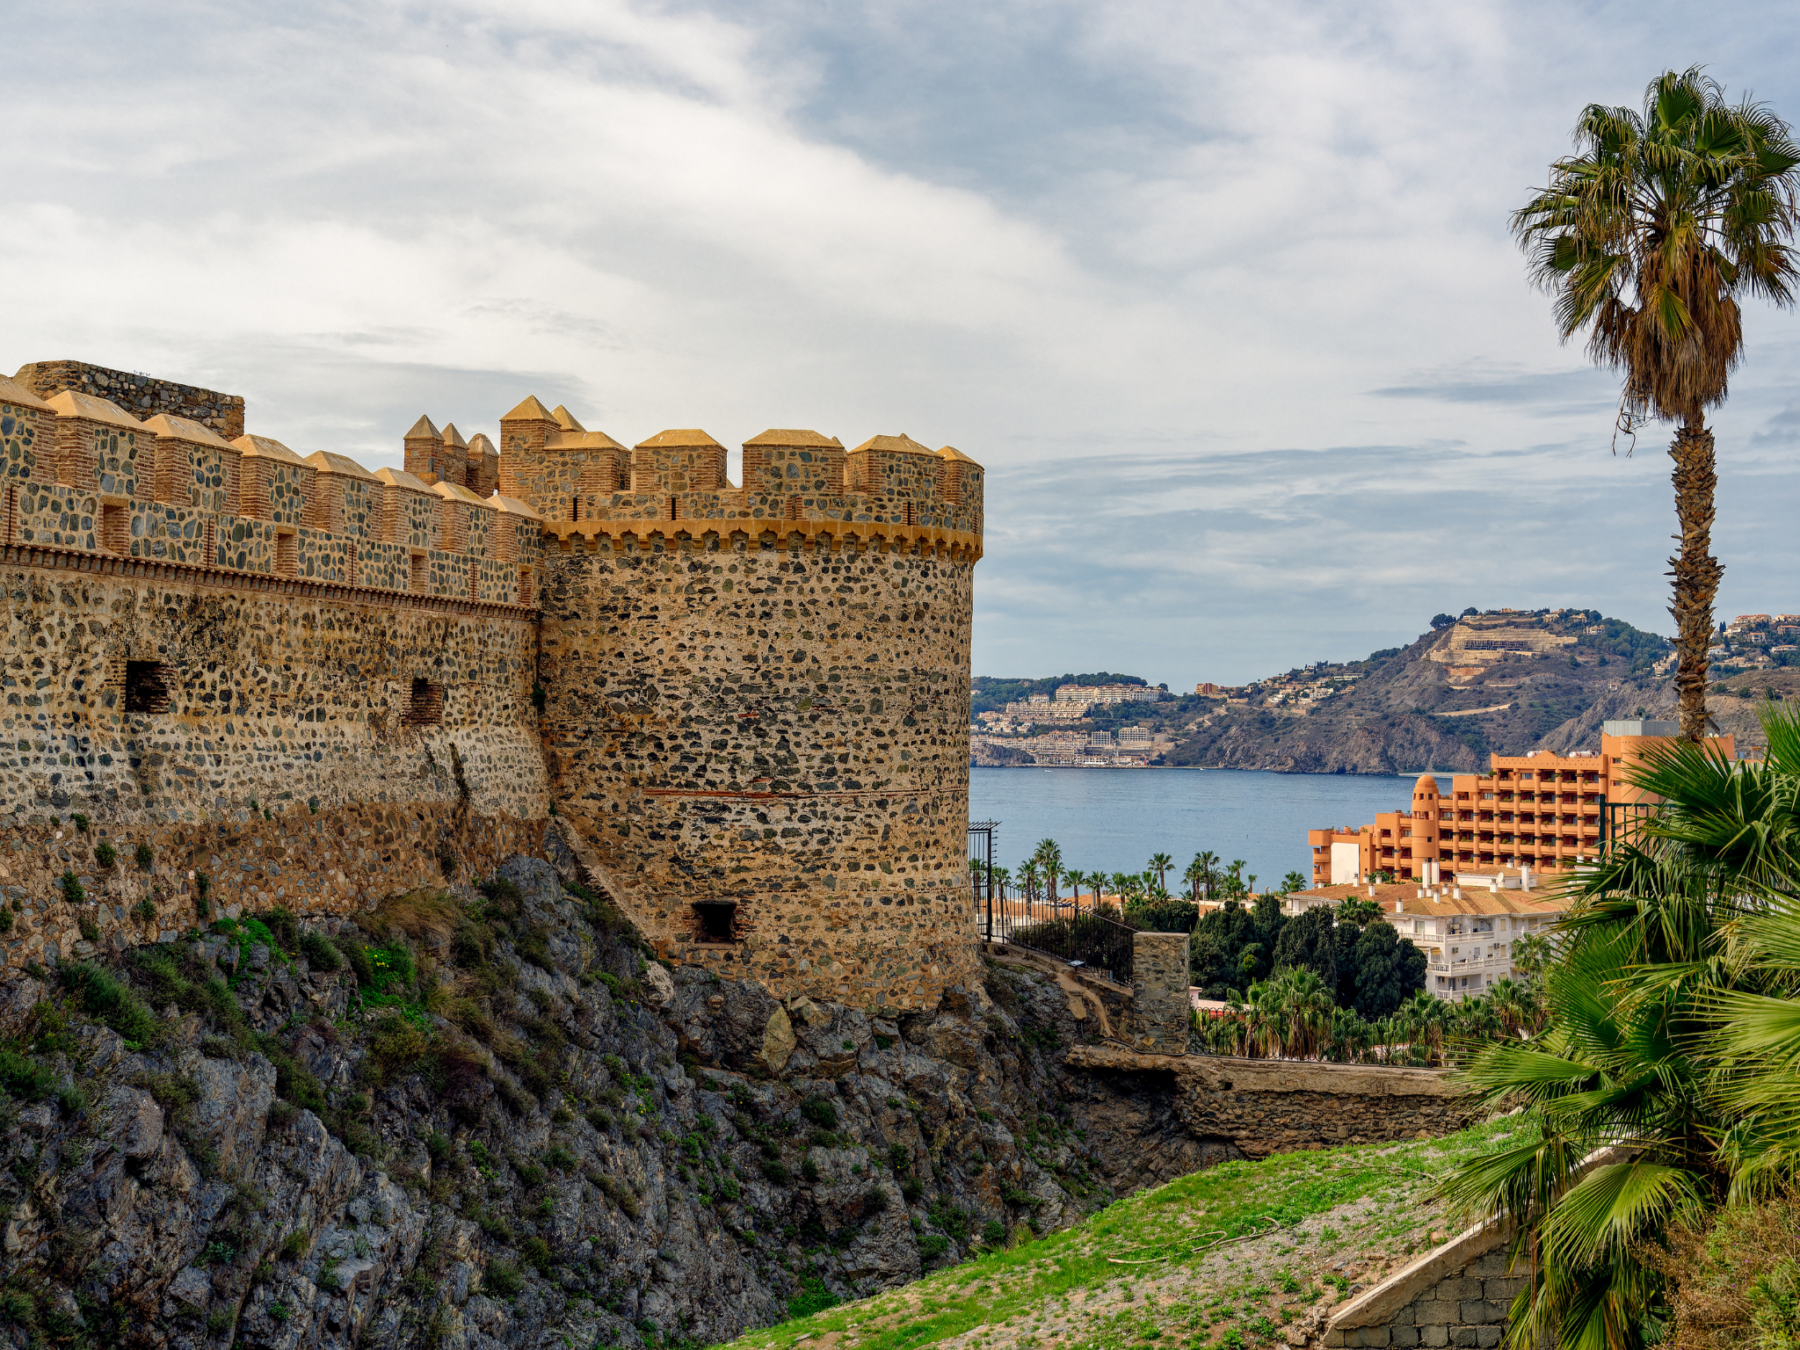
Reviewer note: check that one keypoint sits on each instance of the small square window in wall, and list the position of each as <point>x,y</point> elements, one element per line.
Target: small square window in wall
<point>524,585</point>
<point>425,705</point>
<point>287,555</point>
<point>421,574</point>
<point>147,687</point>
<point>717,920</point>
<point>115,529</point>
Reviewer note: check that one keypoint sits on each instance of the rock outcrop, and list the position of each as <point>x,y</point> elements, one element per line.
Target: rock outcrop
<point>485,1120</point>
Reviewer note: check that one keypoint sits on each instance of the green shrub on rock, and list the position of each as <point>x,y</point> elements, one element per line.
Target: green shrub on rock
<point>502,1279</point>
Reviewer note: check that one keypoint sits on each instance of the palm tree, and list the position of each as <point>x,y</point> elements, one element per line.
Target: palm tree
<point>1647,237</point>
<point>1160,863</point>
<point>1292,882</point>
<point>1029,876</point>
<point>1194,875</point>
<point>1048,857</point>
<point>1203,873</point>
<point>1072,878</point>
<point>1671,1030</point>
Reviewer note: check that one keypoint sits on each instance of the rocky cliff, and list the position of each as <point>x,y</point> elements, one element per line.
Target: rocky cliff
<point>1443,702</point>
<point>480,1118</point>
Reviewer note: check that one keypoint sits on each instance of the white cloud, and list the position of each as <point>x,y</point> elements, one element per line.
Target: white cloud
<point>1157,264</point>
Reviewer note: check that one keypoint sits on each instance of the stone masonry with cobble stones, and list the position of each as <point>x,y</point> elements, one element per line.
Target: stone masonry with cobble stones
<point>749,701</point>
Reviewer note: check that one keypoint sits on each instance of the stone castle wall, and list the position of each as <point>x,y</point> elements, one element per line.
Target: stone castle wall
<point>78,473</point>
<point>301,696</point>
<point>756,698</point>
<point>1161,1011</point>
<point>333,861</point>
<point>141,395</point>
<point>780,727</point>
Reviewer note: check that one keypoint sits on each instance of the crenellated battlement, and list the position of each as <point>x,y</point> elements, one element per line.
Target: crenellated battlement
<point>747,703</point>
<point>568,474</point>
<point>78,472</point>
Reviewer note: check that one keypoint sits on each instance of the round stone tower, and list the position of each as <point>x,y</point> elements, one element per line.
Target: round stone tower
<point>757,697</point>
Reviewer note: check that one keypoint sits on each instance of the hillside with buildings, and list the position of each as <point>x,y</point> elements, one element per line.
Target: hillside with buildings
<point>1502,681</point>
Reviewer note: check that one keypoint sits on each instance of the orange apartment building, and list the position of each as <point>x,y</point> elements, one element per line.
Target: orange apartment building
<point>1538,811</point>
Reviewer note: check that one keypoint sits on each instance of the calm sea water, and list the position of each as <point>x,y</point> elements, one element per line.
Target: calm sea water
<point>1112,820</point>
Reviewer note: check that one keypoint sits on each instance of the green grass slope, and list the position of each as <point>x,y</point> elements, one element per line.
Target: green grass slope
<point>1221,1259</point>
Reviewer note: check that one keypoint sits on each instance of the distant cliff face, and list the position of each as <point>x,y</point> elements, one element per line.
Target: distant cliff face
<point>1458,693</point>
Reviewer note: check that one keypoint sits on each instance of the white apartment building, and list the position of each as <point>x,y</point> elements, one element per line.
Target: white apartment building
<point>1466,931</point>
<point>1042,708</point>
<point>1101,695</point>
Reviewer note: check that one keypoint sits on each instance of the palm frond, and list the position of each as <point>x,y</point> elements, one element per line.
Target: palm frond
<point>1614,1206</point>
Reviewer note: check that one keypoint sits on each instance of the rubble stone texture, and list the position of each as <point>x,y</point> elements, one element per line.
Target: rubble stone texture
<point>749,702</point>
<point>1260,1106</point>
<point>1159,981</point>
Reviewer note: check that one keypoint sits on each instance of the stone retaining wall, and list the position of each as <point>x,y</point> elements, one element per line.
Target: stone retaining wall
<point>1275,1106</point>
<point>1458,1294</point>
<point>333,861</point>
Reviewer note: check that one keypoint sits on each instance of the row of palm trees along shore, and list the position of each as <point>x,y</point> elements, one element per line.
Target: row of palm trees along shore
<point>1333,984</point>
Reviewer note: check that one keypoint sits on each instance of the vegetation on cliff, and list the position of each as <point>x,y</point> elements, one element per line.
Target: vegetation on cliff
<point>479,1116</point>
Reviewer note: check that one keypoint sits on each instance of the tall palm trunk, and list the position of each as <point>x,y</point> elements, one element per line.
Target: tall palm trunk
<point>1695,571</point>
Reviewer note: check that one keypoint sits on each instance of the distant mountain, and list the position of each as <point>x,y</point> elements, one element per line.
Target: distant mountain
<point>1504,681</point>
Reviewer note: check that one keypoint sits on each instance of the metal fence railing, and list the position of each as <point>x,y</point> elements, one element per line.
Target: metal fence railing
<point>1068,929</point>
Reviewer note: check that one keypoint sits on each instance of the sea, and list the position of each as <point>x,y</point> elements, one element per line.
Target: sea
<point>1113,820</point>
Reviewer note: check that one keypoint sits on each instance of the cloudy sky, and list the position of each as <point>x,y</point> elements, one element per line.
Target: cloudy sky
<point>1222,294</point>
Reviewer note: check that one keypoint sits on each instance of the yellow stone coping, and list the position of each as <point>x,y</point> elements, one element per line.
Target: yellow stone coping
<point>480,444</point>
<point>529,411</point>
<point>11,391</point>
<point>679,436</point>
<point>71,404</point>
<point>951,452</point>
<point>423,430</point>
<point>792,439</point>
<point>512,506</point>
<point>457,493</point>
<point>581,440</point>
<point>566,419</point>
<point>326,462</point>
<point>400,478</point>
<point>811,531</point>
<point>902,444</point>
<point>186,429</point>
<point>266,447</point>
